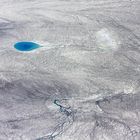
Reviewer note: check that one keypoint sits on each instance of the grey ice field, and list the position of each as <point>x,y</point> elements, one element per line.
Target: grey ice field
<point>83,83</point>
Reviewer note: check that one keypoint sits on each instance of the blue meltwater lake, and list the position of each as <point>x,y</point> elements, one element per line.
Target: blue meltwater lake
<point>26,46</point>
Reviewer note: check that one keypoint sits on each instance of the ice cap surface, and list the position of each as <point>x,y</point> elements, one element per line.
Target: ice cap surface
<point>83,83</point>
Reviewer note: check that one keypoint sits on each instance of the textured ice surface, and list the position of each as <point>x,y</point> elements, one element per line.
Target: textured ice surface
<point>84,83</point>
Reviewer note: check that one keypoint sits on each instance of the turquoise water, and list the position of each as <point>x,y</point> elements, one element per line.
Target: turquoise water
<point>26,46</point>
